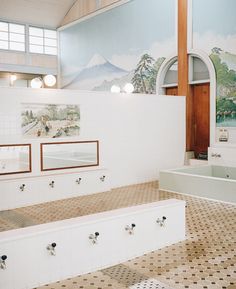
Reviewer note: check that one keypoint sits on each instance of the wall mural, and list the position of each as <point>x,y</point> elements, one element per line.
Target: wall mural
<point>49,120</point>
<point>135,51</point>
<point>218,39</point>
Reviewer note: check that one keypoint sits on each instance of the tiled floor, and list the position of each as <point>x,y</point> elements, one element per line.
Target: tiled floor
<point>207,259</point>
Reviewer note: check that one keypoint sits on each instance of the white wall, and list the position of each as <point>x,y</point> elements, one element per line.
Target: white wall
<point>138,134</point>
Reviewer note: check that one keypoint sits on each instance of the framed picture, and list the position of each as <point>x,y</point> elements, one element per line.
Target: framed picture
<point>50,120</point>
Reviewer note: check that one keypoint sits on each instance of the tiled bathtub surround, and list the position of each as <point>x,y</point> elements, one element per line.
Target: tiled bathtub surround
<point>207,259</point>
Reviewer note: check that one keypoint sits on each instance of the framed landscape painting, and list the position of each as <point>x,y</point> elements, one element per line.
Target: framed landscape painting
<point>50,120</point>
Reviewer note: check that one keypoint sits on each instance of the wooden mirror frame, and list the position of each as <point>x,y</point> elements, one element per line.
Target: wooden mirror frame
<point>67,167</point>
<point>30,159</point>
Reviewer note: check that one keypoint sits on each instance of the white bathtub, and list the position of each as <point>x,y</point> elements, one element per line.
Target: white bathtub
<point>212,182</point>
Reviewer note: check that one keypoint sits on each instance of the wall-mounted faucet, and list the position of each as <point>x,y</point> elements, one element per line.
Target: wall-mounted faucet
<point>22,187</point>
<point>216,155</point>
<point>162,221</point>
<point>94,237</point>
<point>78,181</point>
<point>3,259</point>
<point>52,249</point>
<point>102,179</point>
<point>52,184</point>
<point>130,228</point>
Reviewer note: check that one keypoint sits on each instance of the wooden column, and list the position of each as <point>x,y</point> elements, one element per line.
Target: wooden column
<point>183,86</point>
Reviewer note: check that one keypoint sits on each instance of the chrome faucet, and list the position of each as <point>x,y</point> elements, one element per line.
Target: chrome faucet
<point>130,228</point>
<point>216,155</point>
<point>78,181</point>
<point>52,249</point>
<point>3,259</point>
<point>102,179</point>
<point>52,184</point>
<point>162,221</point>
<point>94,237</point>
<point>22,187</point>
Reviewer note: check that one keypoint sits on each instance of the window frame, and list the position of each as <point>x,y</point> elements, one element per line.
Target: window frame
<point>8,41</point>
<point>42,37</point>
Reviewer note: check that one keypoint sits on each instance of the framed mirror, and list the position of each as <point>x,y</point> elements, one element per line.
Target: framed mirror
<point>68,155</point>
<point>15,159</point>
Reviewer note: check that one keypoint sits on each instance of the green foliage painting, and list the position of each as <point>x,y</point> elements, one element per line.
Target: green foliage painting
<point>226,87</point>
<point>145,74</point>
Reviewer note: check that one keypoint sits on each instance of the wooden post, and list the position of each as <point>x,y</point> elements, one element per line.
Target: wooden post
<point>183,86</point>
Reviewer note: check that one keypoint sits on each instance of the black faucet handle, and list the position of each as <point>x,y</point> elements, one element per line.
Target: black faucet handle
<point>4,257</point>
<point>54,245</point>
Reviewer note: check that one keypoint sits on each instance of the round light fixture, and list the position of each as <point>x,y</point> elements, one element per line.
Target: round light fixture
<point>36,82</point>
<point>50,80</point>
<point>129,88</point>
<point>115,89</point>
<point>13,77</point>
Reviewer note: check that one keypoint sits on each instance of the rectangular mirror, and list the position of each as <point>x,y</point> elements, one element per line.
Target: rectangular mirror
<point>68,155</point>
<point>15,159</point>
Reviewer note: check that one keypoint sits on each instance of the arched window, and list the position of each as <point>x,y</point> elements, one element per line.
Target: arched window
<point>198,71</point>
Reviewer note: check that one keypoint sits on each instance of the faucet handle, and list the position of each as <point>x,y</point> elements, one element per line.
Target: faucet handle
<point>54,245</point>
<point>4,257</point>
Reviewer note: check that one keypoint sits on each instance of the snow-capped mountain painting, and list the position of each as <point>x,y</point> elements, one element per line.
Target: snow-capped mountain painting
<point>110,49</point>
<point>95,73</point>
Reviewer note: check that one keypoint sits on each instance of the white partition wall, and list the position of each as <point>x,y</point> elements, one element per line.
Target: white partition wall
<point>156,225</point>
<point>138,134</point>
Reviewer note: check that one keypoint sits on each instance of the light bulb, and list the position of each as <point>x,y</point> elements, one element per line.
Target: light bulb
<point>36,82</point>
<point>13,77</point>
<point>50,80</point>
<point>129,88</point>
<point>115,89</point>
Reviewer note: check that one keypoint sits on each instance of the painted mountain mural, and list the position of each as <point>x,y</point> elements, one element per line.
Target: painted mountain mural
<point>143,77</point>
<point>225,66</point>
<point>95,73</point>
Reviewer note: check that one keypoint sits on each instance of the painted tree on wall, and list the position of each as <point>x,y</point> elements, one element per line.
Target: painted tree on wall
<point>142,73</point>
<point>226,88</point>
<point>145,74</point>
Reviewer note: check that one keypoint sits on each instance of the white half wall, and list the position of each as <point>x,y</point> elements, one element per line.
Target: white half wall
<point>138,134</point>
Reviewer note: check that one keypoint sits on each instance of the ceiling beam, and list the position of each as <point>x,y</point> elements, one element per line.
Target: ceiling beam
<point>83,8</point>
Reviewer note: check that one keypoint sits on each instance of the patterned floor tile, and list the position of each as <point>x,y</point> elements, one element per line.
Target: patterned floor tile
<point>206,260</point>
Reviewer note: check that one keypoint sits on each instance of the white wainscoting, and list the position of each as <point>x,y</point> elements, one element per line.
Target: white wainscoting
<point>30,264</point>
<point>34,190</point>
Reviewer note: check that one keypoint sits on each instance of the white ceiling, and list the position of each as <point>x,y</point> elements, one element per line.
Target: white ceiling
<point>44,13</point>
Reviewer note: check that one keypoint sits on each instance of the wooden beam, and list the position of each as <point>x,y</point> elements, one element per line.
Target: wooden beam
<point>183,86</point>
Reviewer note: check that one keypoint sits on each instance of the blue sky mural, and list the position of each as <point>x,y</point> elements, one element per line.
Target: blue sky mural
<point>116,40</point>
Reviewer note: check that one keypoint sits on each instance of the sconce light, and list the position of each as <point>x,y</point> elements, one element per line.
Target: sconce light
<point>50,80</point>
<point>115,89</point>
<point>128,88</point>
<point>13,78</point>
<point>36,82</point>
